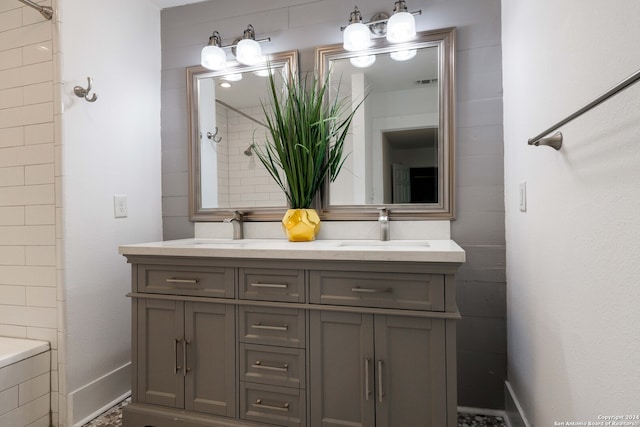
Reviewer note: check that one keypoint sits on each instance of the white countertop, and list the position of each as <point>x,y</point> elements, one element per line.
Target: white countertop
<point>347,250</point>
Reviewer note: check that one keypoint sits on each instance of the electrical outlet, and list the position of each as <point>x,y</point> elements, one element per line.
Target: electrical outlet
<point>523,196</point>
<point>120,206</point>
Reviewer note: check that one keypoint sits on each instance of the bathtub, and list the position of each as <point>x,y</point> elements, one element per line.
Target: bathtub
<point>25,382</point>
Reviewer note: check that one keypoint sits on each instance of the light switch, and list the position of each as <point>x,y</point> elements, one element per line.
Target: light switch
<point>120,206</point>
<point>523,196</point>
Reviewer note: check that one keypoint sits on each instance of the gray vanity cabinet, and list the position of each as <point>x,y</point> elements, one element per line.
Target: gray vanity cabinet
<point>243,342</point>
<point>376,370</point>
<point>186,356</point>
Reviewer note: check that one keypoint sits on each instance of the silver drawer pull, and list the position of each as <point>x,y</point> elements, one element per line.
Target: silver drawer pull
<point>259,365</point>
<point>270,285</point>
<point>284,407</point>
<point>183,281</point>
<point>259,325</point>
<point>371,290</point>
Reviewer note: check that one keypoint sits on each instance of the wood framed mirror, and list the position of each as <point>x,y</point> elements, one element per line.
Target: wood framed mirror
<point>226,116</point>
<point>402,142</point>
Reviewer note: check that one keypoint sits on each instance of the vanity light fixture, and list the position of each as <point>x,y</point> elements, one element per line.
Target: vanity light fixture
<point>356,35</point>
<point>247,50</point>
<point>212,55</point>
<point>235,77</point>
<point>399,28</point>
<point>402,25</point>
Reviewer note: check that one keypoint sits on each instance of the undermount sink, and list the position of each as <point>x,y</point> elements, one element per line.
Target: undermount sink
<point>384,243</point>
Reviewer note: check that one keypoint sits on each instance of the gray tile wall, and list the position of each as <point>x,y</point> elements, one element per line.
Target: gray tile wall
<point>479,228</point>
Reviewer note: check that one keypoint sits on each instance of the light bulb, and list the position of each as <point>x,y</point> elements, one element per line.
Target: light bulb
<point>401,27</point>
<point>363,61</point>
<point>235,77</point>
<point>248,52</point>
<point>356,37</point>
<point>213,58</point>
<point>403,55</point>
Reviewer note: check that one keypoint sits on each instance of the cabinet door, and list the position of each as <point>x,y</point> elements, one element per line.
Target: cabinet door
<point>210,358</point>
<point>341,369</point>
<point>160,331</point>
<point>410,372</point>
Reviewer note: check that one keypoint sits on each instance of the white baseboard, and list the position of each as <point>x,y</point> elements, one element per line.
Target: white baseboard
<point>91,400</point>
<point>514,413</point>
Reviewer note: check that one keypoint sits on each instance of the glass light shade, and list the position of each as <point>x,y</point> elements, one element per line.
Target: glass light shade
<point>213,58</point>
<point>363,61</point>
<point>356,37</point>
<point>401,27</point>
<point>235,77</point>
<point>403,55</point>
<point>248,52</point>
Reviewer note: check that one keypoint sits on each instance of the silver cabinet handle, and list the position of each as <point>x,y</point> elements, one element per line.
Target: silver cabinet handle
<point>259,325</point>
<point>270,285</point>
<point>183,281</point>
<point>259,365</point>
<point>371,290</point>
<point>284,407</point>
<point>184,354</point>
<point>367,390</point>
<point>175,355</point>
<point>380,391</point>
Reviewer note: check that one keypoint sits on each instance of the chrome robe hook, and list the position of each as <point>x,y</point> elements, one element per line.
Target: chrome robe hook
<point>84,93</point>
<point>214,136</point>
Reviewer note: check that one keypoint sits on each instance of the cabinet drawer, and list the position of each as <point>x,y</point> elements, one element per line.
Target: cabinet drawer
<point>281,406</point>
<point>272,365</point>
<point>272,284</point>
<point>272,326</point>
<point>380,289</point>
<point>187,280</point>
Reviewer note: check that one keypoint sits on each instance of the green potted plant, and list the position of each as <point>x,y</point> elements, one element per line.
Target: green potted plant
<point>304,146</point>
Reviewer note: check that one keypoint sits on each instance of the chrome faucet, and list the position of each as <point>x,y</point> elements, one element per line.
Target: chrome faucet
<point>383,220</point>
<point>236,221</point>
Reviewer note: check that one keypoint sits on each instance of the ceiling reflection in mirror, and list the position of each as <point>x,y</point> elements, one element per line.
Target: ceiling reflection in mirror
<point>227,118</point>
<point>401,143</point>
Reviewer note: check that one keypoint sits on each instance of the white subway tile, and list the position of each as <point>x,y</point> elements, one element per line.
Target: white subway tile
<point>28,235</point>
<point>27,195</point>
<point>38,93</point>
<point>10,20</point>
<point>43,317</point>
<point>13,215</point>
<point>11,137</point>
<point>39,133</point>
<point>11,97</point>
<point>23,36</point>
<point>13,331</point>
<point>11,176</point>
<point>12,255</point>
<point>40,255</point>
<point>26,115</point>
<point>39,296</point>
<point>40,52</point>
<point>12,295</point>
<point>44,334</point>
<point>10,59</point>
<point>40,215</point>
<point>8,399</point>
<point>39,174</point>
<point>34,388</point>
<point>10,78</point>
<point>27,414</point>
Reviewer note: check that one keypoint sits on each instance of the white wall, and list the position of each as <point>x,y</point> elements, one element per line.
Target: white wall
<point>109,147</point>
<point>572,258</point>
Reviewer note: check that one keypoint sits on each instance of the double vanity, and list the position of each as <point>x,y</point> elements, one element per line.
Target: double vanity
<point>265,332</point>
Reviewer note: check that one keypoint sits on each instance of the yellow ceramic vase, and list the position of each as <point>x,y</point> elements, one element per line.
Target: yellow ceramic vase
<point>301,225</point>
